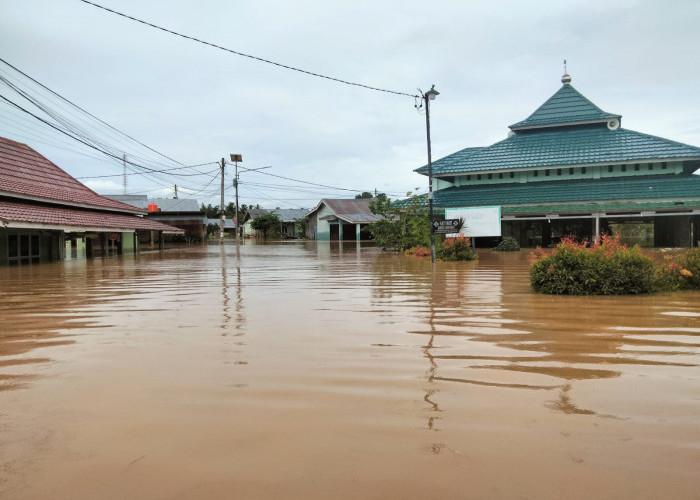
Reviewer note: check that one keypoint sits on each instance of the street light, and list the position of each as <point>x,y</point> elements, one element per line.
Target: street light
<point>430,95</point>
<point>235,159</point>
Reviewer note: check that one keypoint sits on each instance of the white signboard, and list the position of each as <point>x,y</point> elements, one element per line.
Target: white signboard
<point>478,221</point>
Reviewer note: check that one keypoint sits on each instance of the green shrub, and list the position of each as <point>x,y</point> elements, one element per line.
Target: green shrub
<point>403,225</point>
<point>507,244</point>
<point>689,269</point>
<point>609,268</point>
<point>679,273</point>
<point>458,248</point>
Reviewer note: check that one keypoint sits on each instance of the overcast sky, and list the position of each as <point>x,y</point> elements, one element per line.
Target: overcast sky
<point>493,63</point>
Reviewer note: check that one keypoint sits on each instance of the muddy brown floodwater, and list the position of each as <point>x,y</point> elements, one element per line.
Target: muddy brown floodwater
<point>320,371</point>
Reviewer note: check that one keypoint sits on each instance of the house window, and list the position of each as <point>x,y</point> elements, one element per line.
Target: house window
<point>650,166</point>
<point>558,171</point>
<point>636,167</point>
<point>490,176</point>
<point>512,175</point>
<point>536,173</point>
<point>610,168</point>
<point>546,173</point>
<point>478,177</point>
<point>22,249</point>
<point>500,175</point>
<point>663,165</point>
<point>571,171</point>
<point>469,177</point>
<point>583,170</point>
<point>624,168</point>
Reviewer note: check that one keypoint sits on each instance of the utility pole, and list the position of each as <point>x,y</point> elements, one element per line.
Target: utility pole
<point>175,198</point>
<point>235,159</point>
<point>221,222</point>
<point>124,175</point>
<point>427,97</point>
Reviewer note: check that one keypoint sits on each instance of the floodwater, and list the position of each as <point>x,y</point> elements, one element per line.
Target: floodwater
<point>321,371</point>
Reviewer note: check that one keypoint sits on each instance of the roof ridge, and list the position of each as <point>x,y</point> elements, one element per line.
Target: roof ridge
<point>565,107</point>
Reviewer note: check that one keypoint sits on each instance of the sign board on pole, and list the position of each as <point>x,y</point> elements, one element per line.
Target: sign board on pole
<point>478,221</point>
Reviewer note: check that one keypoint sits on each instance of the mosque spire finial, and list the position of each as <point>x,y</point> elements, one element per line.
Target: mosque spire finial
<point>566,79</point>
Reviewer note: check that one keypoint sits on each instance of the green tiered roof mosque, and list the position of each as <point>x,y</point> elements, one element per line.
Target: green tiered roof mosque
<point>570,168</point>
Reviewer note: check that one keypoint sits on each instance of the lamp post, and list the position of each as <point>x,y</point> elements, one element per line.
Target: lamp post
<point>235,159</point>
<point>223,216</point>
<point>427,97</point>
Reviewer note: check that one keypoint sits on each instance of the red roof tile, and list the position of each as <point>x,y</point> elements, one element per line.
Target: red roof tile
<point>24,173</point>
<point>14,214</point>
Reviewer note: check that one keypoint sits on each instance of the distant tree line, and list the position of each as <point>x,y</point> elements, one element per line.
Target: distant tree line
<point>213,211</point>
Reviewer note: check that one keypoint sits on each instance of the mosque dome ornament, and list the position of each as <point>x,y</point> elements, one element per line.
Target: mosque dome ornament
<point>566,79</point>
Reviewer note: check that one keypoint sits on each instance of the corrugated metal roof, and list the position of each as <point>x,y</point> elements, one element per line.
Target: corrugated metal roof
<point>26,174</point>
<point>228,223</point>
<point>666,188</point>
<point>290,214</point>
<point>563,147</point>
<point>178,205</point>
<point>567,105</point>
<point>22,214</point>
<point>254,212</point>
<point>353,211</point>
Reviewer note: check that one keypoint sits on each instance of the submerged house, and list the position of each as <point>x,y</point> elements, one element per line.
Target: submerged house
<point>47,215</point>
<point>184,213</point>
<point>290,219</point>
<point>248,219</point>
<point>340,219</point>
<point>571,168</point>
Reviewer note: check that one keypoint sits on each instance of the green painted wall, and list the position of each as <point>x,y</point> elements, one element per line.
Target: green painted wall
<point>128,243</point>
<point>563,173</point>
<point>323,228</point>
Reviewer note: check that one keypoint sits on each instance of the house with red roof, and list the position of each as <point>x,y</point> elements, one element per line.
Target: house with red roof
<point>47,215</point>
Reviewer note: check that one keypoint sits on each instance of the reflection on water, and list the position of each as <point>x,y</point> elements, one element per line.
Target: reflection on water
<point>483,323</point>
<point>330,358</point>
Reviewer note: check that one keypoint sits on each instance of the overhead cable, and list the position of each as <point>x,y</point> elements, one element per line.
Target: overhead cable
<point>292,68</point>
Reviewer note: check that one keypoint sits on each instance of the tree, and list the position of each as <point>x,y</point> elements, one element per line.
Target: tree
<point>230,210</point>
<point>211,212</point>
<point>265,222</point>
<point>365,194</point>
<point>404,225</point>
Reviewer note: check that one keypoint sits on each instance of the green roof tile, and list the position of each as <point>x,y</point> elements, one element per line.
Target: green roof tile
<point>651,189</point>
<point>566,106</point>
<point>563,147</point>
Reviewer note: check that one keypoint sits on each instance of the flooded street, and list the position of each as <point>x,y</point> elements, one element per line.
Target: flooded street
<point>322,371</point>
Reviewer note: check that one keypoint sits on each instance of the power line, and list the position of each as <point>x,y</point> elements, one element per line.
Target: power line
<point>247,55</point>
<point>154,171</point>
<point>87,112</point>
<point>307,182</point>
<point>66,120</point>
<point>81,140</point>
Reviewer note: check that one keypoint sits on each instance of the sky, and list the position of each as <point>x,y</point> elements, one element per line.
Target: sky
<point>493,63</point>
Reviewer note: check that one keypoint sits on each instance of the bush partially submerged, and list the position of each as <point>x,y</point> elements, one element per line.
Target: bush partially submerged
<point>458,248</point>
<point>608,268</point>
<point>689,269</point>
<point>681,272</point>
<point>418,251</point>
<point>507,244</point>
